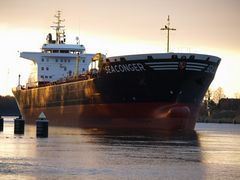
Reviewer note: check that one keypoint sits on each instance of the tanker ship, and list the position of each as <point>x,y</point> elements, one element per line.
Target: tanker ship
<point>76,89</point>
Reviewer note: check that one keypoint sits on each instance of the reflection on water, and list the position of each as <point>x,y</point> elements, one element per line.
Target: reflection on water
<point>212,152</point>
<point>220,150</point>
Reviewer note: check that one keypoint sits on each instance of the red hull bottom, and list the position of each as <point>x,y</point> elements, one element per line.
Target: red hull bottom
<point>135,115</point>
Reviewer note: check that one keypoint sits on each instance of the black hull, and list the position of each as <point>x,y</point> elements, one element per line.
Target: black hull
<point>140,85</point>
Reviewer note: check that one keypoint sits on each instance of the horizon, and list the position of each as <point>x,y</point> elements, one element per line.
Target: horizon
<point>119,28</point>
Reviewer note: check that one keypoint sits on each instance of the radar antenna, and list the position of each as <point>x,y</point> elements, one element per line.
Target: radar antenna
<point>60,33</point>
<point>167,28</point>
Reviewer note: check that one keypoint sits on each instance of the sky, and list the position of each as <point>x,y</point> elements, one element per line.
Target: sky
<point>123,27</point>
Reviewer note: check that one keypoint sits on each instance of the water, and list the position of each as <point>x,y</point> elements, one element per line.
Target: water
<point>212,152</point>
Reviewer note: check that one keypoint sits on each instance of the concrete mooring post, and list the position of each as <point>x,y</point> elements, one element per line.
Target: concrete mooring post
<point>42,126</point>
<point>19,125</point>
<point>1,123</point>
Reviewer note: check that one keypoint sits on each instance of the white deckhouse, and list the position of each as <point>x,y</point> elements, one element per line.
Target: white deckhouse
<point>57,60</point>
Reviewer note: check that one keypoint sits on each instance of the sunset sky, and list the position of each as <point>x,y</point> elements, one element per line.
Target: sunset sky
<point>123,27</point>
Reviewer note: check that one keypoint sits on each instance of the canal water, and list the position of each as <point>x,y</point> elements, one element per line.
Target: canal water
<point>211,152</point>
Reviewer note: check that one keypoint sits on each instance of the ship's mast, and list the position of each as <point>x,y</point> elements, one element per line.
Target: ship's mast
<point>59,29</point>
<point>167,28</point>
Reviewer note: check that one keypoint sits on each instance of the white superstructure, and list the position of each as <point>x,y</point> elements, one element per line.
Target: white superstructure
<point>57,60</point>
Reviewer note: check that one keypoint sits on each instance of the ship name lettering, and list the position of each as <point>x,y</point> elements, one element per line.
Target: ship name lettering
<point>120,68</point>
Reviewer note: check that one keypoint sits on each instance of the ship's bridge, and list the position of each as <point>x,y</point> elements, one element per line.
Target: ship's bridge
<point>63,48</point>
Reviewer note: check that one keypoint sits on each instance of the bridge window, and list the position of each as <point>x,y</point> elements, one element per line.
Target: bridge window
<point>64,51</point>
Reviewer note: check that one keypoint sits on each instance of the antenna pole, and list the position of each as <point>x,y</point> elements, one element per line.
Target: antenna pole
<point>168,29</point>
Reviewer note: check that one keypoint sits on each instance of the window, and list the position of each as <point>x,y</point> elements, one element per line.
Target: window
<point>65,60</point>
<point>42,68</point>
<point>47,68</point>
<point>50,77</point>
<point>83,69</point>
<point>83,60</point>
<point>46,76</point>
<point>149,57</point>
<point>42,59</point>
<point>65,68</point>
<point>42,76</point>
<point>69,60</point>
<point>61,60</point>
<point>122,59</point>
<point>56,60</point>
<point>47,60</point>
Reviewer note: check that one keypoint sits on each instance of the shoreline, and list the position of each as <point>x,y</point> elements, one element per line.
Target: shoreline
<point>218,120</point>
<point>199,120</point>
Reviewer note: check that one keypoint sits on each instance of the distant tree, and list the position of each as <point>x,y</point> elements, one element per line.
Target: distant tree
<point>208,104</point>
<point>237,95</point>
<point>208,95</point>
<point>218,94</point>
<point>8,106</point>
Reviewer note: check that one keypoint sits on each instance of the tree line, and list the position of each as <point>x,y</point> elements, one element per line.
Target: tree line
<point>8,106</point>
<point>217,105</point>
<point>217,95</point>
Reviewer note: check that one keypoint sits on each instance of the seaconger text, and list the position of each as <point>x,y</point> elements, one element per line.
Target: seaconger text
<point>121,68</point>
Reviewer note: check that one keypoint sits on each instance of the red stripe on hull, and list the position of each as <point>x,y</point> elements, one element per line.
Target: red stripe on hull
<point>132,115</point>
